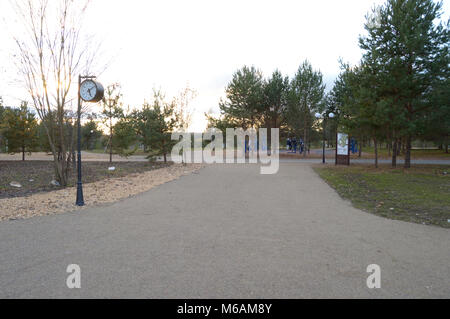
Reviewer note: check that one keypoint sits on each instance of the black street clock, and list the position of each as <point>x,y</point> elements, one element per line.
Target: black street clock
<point>91,91</point>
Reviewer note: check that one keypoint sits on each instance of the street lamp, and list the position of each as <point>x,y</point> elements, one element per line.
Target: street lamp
<point>324,116</point>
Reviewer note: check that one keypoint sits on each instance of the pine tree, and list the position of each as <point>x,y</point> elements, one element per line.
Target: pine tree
<point>410,54</point>
<point>124,137</point>
<point>275,91</point>
<point>154,125</point>
<point>305,97</point>
<point>20,130</point>
<point>244,98</point>
<point>90,134</point>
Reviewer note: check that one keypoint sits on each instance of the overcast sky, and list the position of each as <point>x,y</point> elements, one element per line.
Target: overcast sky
<point>168,44</point>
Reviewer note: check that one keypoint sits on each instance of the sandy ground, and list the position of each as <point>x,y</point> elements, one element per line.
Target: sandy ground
<point>101,192</point>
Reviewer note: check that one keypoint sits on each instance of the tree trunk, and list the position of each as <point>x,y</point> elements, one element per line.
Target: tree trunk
<point>408,152</point>
<point>71,154</point>
<point>23,152</point>
<point>62,142</point>
<point>269,133</point>
<point>59,175</point>
<point>376,151</point>
<point>394,153</point>
<point>60,172</point>
<point>110,139</point>
<point>165,158</point>
<point>305,141</point>
<point>360,148</point>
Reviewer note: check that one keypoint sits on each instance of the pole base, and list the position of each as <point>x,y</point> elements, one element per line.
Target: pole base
<point>80,199</point>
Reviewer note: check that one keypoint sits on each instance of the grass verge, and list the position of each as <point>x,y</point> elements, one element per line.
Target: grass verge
<point>369,152</point>
<point>420,194</point>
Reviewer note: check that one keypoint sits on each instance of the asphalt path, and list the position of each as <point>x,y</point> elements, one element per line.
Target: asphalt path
<point>225,232</point>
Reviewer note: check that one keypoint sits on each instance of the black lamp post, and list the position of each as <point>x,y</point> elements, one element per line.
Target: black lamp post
<point>92,92</point>
<point>80,199</point>
<point>324,117</point>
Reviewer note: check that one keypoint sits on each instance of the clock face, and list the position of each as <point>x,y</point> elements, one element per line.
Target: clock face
<point>88,90</point>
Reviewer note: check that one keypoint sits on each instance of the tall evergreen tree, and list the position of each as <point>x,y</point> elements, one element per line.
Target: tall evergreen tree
<point>275,91</point>
<point>411,57</point>
<point>305,97</point>
<point>244,97</point>
<point>437,123</point>
<point>90,135</point>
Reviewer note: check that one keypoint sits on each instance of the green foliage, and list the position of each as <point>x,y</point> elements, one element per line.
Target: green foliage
<point>437,122</point>
<point>360,104</point>
<point>124,137</point>
<point>90,135</point>
<point>244,98</point>
<point>305,97</point>
<point>275,102</point>
<point>154,125</point>
<point>44,145</point>
<point>50,125</point>
<point>274,106</point>
<point>400,89</point>
<point>408,58</point>
<point>19,127</point>
<point>222,123</point>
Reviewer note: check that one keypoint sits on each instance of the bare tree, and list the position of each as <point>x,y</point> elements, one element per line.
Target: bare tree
<point>184,110</point>
<point>112,110</point>
<point>51,53</point>
<point>183,107</point>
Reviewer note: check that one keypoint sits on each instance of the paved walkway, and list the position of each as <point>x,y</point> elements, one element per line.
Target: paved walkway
<point>225,232</point>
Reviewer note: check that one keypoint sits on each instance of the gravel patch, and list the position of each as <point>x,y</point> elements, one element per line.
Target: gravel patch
<point>96,193</point>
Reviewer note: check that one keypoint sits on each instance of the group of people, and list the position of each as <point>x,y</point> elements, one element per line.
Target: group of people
<point>292,144</point>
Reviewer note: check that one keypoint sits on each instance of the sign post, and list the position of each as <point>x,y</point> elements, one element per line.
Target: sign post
<point>342,149</point>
